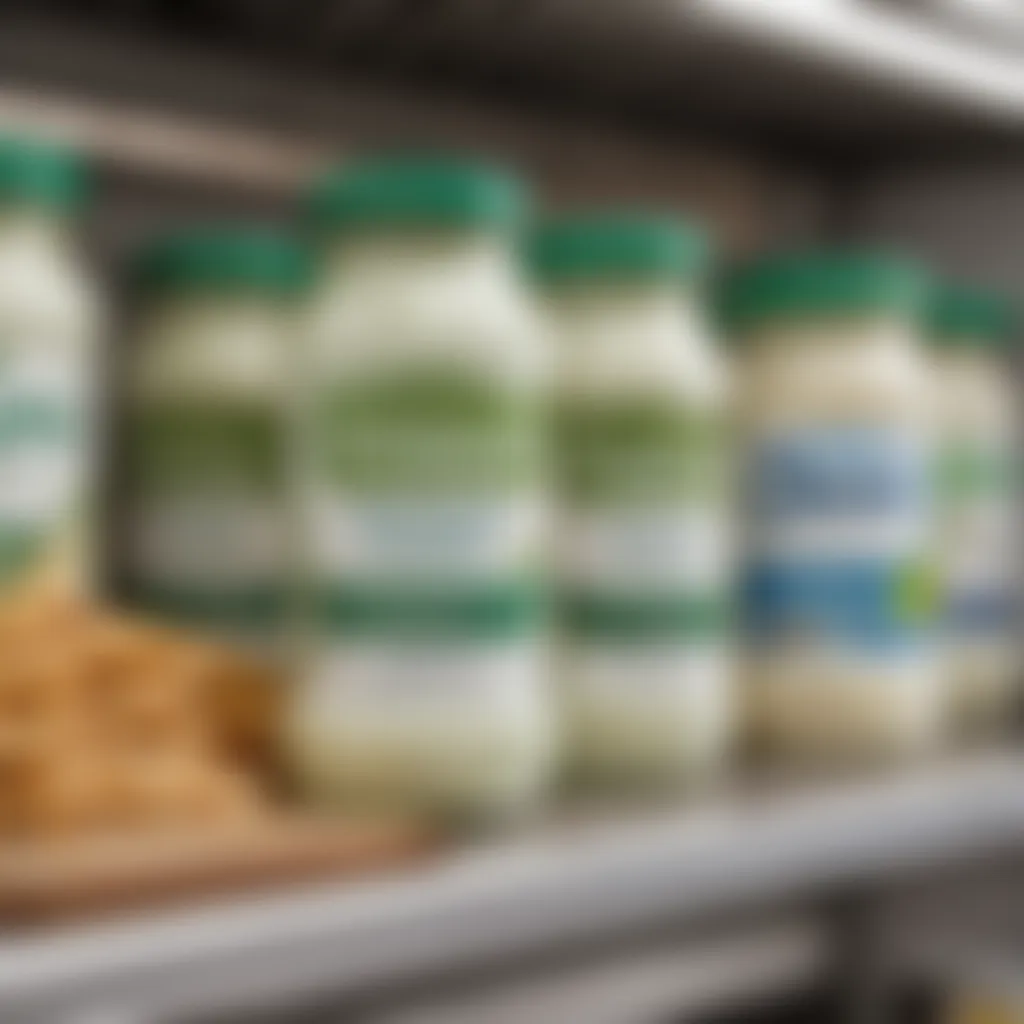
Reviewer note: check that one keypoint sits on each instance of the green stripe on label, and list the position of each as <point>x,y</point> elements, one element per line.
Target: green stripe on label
<point>606,617</point>
<point>251,608</point>
<point>638,453</point>
<point>173,446</point>
<point>430,431</point>
<point>21,546</point>
<point>967,471</point>
<point>479,614</point>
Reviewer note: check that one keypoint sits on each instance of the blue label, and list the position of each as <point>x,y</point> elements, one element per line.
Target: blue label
<point>861,473</point>
<point>837,536</point>
<point>872,605</point>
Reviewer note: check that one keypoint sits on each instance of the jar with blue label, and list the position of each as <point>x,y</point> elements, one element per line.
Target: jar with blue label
<point>979,480</point>
<point>838,588</point>
<point>207,537</point>
<point>49,318</point>
<point>643,547</point>
<point>423,492</point>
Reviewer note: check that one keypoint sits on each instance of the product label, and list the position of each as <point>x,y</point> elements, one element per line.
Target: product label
<point>426,521</point>
<point>643,551</point>
<point>837,543</point>
<point>43,454</point>
<point>640,453</point>
<point>611,680</point>
<point>208,532</point>
<point>979,488</point>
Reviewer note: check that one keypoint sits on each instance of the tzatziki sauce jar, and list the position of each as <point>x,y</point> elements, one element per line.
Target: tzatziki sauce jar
<point>839,579</point>
<point>422,486</point>
<point>208,538</point>
<point>642,552</point>
<point>979,477</point>
<point>49,322</point>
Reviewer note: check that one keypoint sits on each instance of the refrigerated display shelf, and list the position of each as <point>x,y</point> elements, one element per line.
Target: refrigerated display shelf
<point>256,107</point>
<point>910,55</point>
<point>578,879</point>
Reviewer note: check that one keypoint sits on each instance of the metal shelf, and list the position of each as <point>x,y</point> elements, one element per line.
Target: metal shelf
<point>572,881</point>
<point>671,980</point>
<point>904,54</point>
<point>849,79</point>
<point>139,138</point>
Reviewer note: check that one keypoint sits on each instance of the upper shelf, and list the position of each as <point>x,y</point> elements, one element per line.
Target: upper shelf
<point>826,80</point>
<point>917,56</point>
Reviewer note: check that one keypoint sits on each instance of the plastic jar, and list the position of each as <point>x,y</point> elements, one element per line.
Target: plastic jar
<point>643,544</point>
<point>207,536</point>
<point>424,498</point>
<point>979,463</point>
<point>48,327</point>
<point>839,593</point>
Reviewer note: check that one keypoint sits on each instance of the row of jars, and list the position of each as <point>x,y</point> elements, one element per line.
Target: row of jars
<point>505,524</point>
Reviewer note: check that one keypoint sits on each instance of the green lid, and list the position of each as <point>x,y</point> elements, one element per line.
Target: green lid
<point>617,245</point>
<point>41,173</point>
<point>417,192</point>
<point>969,316</point>
<point>222,258</point>
<point>821,284</point>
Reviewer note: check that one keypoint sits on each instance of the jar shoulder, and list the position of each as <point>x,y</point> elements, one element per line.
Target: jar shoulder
<point>495,330</point>
<point>822,384</point>
<point>248,359</point>
<point>686,371</point>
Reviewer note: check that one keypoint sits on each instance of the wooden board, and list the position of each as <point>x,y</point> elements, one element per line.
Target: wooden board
<point>55,881</point>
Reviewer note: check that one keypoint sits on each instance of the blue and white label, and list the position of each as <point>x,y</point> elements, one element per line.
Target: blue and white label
<point>838,542</point>
<point>980,480</point>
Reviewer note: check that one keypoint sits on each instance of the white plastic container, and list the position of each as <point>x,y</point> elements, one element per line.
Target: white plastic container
<point>48,326</point>
<point>839,595</point>
<point>208,538</point>
<point>979,462</point>
<point>643,548</point>
<point>424,500</point>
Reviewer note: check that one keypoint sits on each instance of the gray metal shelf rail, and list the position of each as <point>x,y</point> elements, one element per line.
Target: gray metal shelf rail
<point>553,886</point>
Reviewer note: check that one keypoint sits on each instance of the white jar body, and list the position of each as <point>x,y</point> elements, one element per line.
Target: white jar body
<point>422,490</point>
<point>208,537</point>
<point>644,546</point>
<point>48,328</point>
<point>839,597</point>
<point>980,549</point>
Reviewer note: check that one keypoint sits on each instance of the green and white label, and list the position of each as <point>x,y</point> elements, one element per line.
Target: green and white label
<point>644,542</point>
<point>425,519</point>
<point>638,454</point>
<point>980,489</point>
<point>643,547</point>
<point>208,527</point>
<point>979,469</point>
<point>43,452</point>
<point>430,433</point>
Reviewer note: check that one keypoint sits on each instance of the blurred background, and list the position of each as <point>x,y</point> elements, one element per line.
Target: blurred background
<point>775,123</point>
<point>806,121</point>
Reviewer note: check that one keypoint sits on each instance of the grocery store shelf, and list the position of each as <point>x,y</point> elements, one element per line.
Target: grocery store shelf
<point>819,79</point>
<point>903,53</point>
<point>996,22</point>
<point>676,980</point>
<point>216,115</point>
<point>148,140</point>
<point>573,881</point>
